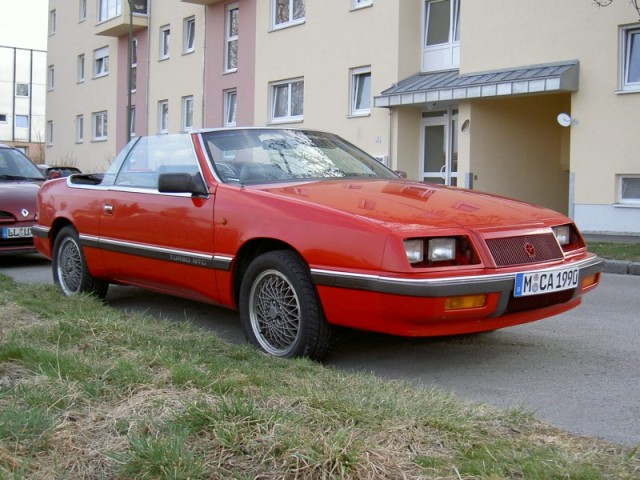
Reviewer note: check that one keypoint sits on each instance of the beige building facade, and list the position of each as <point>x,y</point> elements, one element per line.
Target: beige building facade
<point>533,100</point>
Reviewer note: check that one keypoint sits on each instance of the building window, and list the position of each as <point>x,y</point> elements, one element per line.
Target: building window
<point>52,22</point>
<point>630,189</point>
<point>22,89</point>
<point>187,113</point>
<point>441,43</point>
<point>163,116</point>
<point>132,122</point>
<point>360,3</point>
<point>82,15</point>
<point>108,9</point>
<point>49,134</point>
<point>3,118</point>
<point>287,12</point>
<point>80,72</point>
<point>287,100</point>
<point>361,91</point>
<point>230,107</point>
<point>22,121</point>
<point>99,120</point>
<point>50,77</point>
<point>79,128</point>
<point>189,40</point>
<point>630,59</point>
<point>165,35</point>
<point>231,39</point>
<point>101,62</point>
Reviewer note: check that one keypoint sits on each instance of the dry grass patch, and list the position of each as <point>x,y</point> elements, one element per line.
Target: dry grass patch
<point>90,392</point>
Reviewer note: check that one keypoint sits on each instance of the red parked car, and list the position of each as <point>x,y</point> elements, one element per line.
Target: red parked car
<point>19,183</point>
<point>303,232</point>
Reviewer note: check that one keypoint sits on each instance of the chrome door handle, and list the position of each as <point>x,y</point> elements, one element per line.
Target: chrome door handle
<point>107,209</point>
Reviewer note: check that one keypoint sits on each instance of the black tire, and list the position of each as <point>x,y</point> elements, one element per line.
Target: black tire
<point>70,271</point>
<point>280,310</point>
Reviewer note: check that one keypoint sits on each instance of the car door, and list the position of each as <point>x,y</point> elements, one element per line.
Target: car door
<point>162,241</point>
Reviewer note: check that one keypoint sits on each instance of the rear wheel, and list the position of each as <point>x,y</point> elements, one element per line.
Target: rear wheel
<point>280,310</point>
<point>70,271</point>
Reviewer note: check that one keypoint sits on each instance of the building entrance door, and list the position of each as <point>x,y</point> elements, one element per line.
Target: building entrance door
<point>439,147</point>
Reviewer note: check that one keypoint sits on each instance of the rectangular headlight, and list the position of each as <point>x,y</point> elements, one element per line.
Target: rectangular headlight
<point>442,249</point>
<point>563,234</point>
<point>415,250</point>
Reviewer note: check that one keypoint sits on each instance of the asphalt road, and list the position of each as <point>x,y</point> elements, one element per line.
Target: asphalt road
<point>579,371</point>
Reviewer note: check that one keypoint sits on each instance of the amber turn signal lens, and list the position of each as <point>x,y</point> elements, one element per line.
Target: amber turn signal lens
<point>466,301</point>
<point>590,280</point>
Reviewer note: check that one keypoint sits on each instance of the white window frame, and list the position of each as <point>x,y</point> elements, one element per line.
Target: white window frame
<point>23,119</point>
<point>230,107</point>
<point>356,109</point>
<point>101,62</point>
<point>276,89</point>
<point>51,78</point>
<point>291,21</point>
<point>189,35</point>
<point>444,55</point>
<point>82,10</point>
<point>230,39</point>
<point>187,113</point>
<point>165,40</point>
<point>356,4</point>
<point>108,9</point>
<point>49,134</point>
<point>629,45</point>
<point>132,114</point>
<point>80,68</point>
<point>79,128</point>
<point>99,126</point>
<point>622,179</point>
<point>23,89</point>
<point>163,116</point>
<point>52,22</point>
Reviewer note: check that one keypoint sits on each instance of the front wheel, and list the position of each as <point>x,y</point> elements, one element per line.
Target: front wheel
<point>280,310</point>
<point>70,271</point>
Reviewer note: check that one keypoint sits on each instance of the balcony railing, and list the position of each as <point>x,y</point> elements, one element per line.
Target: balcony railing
<point>118,25</point>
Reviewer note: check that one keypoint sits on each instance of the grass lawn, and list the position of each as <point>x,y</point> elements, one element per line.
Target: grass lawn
<point>616,251</point>
<point>87,391</point>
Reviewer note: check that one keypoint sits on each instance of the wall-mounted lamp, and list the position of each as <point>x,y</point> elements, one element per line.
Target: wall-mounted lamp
<point>465,126</point>
<point>565,120</point>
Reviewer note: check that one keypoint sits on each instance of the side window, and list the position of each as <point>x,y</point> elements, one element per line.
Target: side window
<point>152,156</point>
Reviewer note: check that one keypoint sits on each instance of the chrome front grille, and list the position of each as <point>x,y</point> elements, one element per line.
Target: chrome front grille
<point>525,249</point>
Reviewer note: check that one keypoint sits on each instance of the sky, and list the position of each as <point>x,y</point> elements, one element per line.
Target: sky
<point>23,23</point>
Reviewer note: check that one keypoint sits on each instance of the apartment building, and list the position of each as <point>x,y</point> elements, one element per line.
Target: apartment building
<point>23,85</point>
<point>534,100</point>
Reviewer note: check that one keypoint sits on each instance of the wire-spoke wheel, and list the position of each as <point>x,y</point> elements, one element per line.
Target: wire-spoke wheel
<point>280,310</point>
<point>70,271</point>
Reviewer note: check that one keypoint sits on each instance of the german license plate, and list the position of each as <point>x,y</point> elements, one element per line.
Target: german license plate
<point>547,281</point>
<point>16,232</point>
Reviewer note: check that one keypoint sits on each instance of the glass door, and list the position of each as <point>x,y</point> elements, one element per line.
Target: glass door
<point>439,147</point>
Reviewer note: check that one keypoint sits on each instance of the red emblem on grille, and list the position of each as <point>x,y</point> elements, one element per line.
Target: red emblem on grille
<point>530,249</point>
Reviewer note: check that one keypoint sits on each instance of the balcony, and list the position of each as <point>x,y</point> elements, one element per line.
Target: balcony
<point>118,25</point>
<point>202,2</point>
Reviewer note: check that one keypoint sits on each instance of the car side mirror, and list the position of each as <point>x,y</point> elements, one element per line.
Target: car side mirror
<point>182,183</point>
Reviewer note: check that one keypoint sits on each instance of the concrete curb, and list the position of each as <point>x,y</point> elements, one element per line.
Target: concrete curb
<point>622,267</point>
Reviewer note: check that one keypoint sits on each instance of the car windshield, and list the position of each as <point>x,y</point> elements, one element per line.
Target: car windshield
<point>254,156</point>
<point>15,166</point>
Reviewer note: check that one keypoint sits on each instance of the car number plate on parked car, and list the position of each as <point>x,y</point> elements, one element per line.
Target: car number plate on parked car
<point>16,232</point>
<point>547,281</point>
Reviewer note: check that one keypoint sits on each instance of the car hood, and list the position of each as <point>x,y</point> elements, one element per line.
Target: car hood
<point>19,199</point>
<point>405,205</point>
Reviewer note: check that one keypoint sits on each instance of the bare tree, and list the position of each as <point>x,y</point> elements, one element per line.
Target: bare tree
<point>606,3</point>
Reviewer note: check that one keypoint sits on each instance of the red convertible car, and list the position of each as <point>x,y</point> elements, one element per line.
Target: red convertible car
<point>302,232</point>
